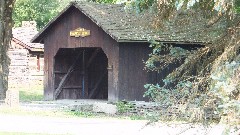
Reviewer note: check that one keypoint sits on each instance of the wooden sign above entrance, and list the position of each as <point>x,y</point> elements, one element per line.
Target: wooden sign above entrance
<point>79,32</point>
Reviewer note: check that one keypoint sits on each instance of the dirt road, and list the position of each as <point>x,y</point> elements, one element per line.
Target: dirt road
<point>95,126</point>
<point>76,126</point>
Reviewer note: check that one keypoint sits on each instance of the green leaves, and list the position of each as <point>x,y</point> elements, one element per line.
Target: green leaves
<point>225,87</point>
<point>152,91</point>
<point>124,107</point>
<point>169,96</point>
<point>40,11</point>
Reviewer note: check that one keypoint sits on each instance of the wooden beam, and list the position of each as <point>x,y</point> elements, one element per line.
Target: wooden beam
<point>66,76</point>
<point>72,87</point>
<point>83,77</point>
<point>93,92</point>
<point>94,54</point>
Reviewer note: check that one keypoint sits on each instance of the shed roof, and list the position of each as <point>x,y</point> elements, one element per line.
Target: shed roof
<point>126,26</point>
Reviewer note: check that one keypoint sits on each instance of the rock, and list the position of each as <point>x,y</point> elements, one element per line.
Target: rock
<point>104,108</point>
<point>81,107</point>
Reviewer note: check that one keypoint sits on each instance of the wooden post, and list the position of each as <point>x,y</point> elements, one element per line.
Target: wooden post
<point>12,98</point>
<point>83,76</point>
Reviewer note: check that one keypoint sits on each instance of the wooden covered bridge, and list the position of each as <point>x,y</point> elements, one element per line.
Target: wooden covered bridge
<point>96,51</point>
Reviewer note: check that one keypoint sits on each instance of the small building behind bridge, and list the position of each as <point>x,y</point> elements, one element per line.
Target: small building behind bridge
<point>26,58</point>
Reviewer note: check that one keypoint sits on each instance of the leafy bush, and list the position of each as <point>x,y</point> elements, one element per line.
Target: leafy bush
<point>124,107</point>
<point>169,96</point>
<point>225,88</point>
<point>220,101</point>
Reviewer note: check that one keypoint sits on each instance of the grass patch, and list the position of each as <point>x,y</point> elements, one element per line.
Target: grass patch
<point>32,112</point>
<point>31,93</point>
<point>30,96</point>
<point>50,113</point>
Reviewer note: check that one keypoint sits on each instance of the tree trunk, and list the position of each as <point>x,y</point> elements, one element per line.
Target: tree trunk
<point>6,7</point>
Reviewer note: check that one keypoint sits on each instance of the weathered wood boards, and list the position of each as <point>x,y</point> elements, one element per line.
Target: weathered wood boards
<point>76,77</point>
<point>94,92</point>
<point>66,76</point>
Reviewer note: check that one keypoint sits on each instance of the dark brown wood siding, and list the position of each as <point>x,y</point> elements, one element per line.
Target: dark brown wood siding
<point>132,76</point>
<point>57,36</point>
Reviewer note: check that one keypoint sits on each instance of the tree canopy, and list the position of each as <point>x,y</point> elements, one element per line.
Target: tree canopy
<point>208,77</point>
<point>40,11</point>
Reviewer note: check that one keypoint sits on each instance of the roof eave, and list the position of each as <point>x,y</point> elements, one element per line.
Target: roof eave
<point>163,41</point>
<point>26,46</point>
<point>37,50</point>
<point>21,43</point>
<point>38,37</point>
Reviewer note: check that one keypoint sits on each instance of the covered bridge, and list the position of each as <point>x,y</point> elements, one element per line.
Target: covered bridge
<point>96,51</point>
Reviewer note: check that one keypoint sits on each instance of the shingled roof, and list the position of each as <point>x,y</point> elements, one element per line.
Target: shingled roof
<point>126,26</point>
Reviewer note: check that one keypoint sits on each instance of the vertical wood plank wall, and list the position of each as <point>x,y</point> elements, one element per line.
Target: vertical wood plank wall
<point>58,37</point>
<point>132,77</point>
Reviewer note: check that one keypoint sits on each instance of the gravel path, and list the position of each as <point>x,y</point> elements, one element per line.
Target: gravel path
<point>92,126</point>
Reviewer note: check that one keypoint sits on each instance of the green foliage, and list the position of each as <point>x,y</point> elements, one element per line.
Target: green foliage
<point>124,106</point>
<point>141,5</point>
<point>81,114</point>
<point>171,5</point>
<point>169,96</point>
<point>225,88</point>
<point>40,11</point>
<point>219,101</point>
<point>237,6</point>
<point>199,91</point>
<point>137,117</point>
<point>164,55</point>
<point>152,91</point>
<point>104,1</point>
<point>163,12</point>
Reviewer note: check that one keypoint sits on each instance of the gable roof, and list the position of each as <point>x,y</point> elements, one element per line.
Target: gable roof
<point>23,35</point>
<point>126,26</point>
